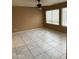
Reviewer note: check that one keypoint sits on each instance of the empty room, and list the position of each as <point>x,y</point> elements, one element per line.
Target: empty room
<point>39,29</point>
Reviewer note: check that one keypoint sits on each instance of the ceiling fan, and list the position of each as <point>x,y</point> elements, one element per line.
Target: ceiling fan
<point>39,5</point>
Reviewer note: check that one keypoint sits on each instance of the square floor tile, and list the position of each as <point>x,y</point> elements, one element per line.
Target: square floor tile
<point>53,43</point>
<point>19,42</point>
<point>27,56</point>
<point>61,48</point>
<point>36,51</point>
<point>45,47</point>
<point>63,57</point>
<point>31,46</point>
<point>43,56</point>
<point>54,53</point>
<point>22,50</point>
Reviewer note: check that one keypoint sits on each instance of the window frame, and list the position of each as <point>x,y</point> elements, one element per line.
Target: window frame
<point>53,7</point>
<point>62,17</point>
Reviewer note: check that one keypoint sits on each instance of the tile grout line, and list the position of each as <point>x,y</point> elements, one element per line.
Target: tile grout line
<point>28,49</point>
<point>37,55</point>
<point>41,48</point>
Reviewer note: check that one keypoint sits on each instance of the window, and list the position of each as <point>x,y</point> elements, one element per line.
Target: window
<point>57,16</point>
<point>64,16</point>
<point>52,17</point>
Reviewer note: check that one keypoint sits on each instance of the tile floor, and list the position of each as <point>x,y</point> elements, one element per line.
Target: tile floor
<point>39,44</point>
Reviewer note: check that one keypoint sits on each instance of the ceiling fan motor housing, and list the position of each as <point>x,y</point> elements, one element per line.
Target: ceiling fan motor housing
<point>38,0</point>
<point>38,5</point>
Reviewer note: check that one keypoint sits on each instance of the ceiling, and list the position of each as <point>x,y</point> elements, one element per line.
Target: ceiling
<point>33,3</point>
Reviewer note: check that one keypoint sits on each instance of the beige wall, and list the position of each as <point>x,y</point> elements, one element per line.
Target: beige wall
<point>24,18</point>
